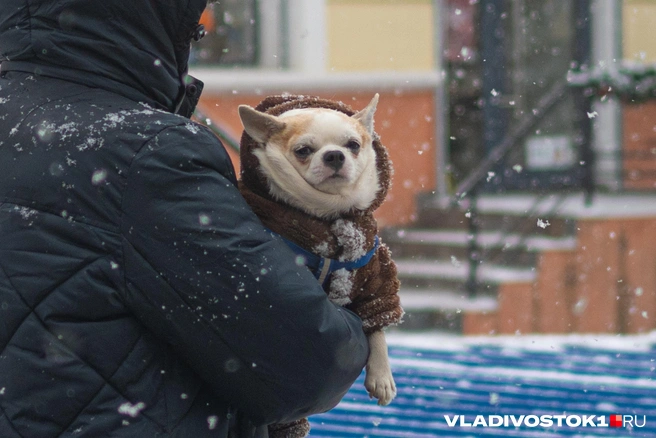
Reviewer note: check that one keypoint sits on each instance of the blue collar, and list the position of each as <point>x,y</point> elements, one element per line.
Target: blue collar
<point>322,267</point>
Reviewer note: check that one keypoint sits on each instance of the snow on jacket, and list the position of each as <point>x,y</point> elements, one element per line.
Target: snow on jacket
<point>139,294</point>
<point>370,291</point>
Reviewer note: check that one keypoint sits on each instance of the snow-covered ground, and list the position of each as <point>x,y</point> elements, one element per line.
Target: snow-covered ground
<point>447,341</point>
<point>485,379</point>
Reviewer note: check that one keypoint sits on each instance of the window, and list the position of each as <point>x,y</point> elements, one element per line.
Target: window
<point>232,35</point>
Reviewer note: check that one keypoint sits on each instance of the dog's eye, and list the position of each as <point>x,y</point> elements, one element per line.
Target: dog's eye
<point>303,152</point>
<point>353,145</point>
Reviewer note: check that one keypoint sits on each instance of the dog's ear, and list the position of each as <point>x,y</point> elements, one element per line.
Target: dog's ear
<point>366,116</point>
<point>259,125</point>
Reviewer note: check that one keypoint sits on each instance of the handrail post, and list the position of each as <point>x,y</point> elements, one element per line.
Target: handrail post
<point>472,244</point>
<point>583,96</point>
<point>587,155</point>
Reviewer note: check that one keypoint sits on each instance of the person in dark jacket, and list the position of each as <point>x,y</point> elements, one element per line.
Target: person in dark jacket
<point>139,294</point>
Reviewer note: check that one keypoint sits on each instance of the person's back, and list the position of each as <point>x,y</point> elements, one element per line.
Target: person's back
<point>139,296</point>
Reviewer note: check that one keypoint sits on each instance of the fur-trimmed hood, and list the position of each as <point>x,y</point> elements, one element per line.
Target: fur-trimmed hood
<point>253,178</point>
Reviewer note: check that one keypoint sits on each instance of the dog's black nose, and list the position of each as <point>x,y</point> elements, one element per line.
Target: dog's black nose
<point>334,159</point>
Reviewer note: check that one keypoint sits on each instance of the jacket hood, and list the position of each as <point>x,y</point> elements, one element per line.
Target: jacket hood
<point>135,48</point>
<point>256,181</point>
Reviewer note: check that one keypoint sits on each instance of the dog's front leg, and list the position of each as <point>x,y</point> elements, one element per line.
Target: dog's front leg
<point>379,381</point>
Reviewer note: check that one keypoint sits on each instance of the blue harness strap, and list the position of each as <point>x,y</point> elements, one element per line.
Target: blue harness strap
<point>322,267</point>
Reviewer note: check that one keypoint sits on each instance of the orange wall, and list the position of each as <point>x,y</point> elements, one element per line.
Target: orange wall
<point>516,313</point>
<point>606,285</point>
<point>406,124</point>
<point>639,146</point>
<point>555,291</point>
<point>617,276</point>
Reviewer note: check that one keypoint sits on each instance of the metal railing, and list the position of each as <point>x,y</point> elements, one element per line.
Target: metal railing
<point>513,139</point>
<point>218,129</point>
<point>469,188</point>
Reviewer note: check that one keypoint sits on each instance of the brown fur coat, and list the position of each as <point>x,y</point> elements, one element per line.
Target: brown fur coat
<point>371,291</point>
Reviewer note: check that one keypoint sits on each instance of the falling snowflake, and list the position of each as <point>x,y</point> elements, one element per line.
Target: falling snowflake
<point>98,177</point>
<point>580,306</point>
<point>204,220</point>
<point>131,410</point>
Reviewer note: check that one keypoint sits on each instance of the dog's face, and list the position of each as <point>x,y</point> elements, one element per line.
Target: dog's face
<point>319,160</point>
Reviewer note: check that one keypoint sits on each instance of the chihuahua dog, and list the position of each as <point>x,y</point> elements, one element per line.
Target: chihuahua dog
<point>323,162</point>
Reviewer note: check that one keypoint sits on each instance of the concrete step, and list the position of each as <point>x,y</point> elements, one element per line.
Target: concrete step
<point>445,300</point>
<point>448,244</point>
<point>486,239</point>
<point>433,309</point>
<point>452,275</point>
<point>523,214</point>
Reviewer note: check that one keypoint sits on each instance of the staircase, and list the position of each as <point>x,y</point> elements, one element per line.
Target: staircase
<point>541,264</point>
<point>433,262</point>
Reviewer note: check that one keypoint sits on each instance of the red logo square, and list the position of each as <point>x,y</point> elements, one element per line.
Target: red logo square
<point>616,421</point>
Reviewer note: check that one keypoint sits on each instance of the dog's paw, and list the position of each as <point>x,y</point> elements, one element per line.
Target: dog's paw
<point>380,386</point>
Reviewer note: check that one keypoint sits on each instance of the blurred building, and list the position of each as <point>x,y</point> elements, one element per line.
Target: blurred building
<point>522,134</point>
<point>345,50</point>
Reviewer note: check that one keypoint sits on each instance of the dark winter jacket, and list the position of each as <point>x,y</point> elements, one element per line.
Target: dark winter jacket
<point>139,294</point>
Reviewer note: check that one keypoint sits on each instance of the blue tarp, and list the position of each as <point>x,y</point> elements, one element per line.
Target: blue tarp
<point>493,380</point>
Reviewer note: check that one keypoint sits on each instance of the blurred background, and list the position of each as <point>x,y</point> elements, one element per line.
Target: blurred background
<point>522,216</point>
<point>523,135</point>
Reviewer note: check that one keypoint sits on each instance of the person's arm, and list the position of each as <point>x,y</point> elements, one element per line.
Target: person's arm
<point>204,275</point>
